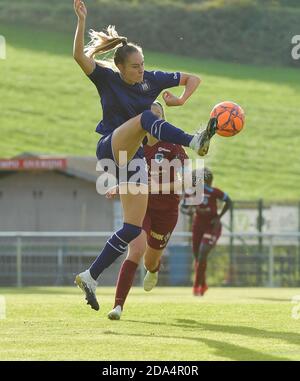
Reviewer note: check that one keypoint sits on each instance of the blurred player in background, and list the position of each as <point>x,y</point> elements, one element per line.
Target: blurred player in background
<point>206,228</point>
<point>159,222</point>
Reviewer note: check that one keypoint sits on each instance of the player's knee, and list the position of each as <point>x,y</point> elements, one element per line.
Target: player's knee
<point>138,120</point>
<point>147,120</point>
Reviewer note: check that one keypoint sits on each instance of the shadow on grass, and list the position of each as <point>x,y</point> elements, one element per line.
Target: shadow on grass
<point>232,351</point>
<point>289,337</point>
<point>270,299</point>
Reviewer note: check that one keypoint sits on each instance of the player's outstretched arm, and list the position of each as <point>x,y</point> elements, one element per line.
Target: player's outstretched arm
<point>87,64</point>
<point>190,82</point>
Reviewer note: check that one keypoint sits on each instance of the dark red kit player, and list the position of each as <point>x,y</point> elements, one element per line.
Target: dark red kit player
<point>206,228</point>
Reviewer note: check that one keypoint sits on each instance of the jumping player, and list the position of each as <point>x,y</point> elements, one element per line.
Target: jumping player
<point>159,222</point>
<point>206,228</point>
<point>127,92</point>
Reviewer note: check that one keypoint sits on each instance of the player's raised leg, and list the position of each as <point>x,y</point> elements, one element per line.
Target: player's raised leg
<point>129,136</point>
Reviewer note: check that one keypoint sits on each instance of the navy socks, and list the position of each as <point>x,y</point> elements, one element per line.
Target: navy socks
<point>162,130</point>
<point>115,246</point>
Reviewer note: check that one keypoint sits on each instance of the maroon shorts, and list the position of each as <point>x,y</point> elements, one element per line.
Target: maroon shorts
<point>205,234</point>
<point>159,226</point>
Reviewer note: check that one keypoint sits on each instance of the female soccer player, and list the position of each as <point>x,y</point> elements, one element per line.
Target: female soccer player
<point>127,91</point>
<point>206,228</point>
<point>159,222</point>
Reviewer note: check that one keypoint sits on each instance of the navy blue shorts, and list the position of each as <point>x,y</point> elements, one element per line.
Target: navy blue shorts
<point>135,171</point>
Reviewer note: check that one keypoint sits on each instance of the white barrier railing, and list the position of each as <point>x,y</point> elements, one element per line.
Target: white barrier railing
<point>266,236</point>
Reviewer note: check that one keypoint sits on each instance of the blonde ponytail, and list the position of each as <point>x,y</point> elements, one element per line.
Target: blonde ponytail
<point>103,42</point>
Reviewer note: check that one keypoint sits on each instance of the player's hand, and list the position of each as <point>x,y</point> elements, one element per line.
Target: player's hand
<point>80,9</point>
<point>171,100</point>
<point>112,193</point>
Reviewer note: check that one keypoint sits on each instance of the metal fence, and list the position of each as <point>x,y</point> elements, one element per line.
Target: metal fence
<point>242,259</point>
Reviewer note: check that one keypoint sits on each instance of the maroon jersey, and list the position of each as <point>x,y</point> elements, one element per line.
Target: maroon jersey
<point>157,157</point>
<point>208,208</point>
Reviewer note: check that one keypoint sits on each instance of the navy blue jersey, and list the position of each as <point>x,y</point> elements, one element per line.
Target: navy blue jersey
<point>121,101</point>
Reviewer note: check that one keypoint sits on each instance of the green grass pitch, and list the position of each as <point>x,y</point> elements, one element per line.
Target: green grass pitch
<point>166,324</point>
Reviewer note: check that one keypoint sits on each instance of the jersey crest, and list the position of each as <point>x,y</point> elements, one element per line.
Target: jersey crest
<point>145,86</point>
<point>159,157</point>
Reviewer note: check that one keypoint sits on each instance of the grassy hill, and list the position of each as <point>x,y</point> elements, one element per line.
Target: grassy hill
<point>238,31</point>
<point>49,106</point>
